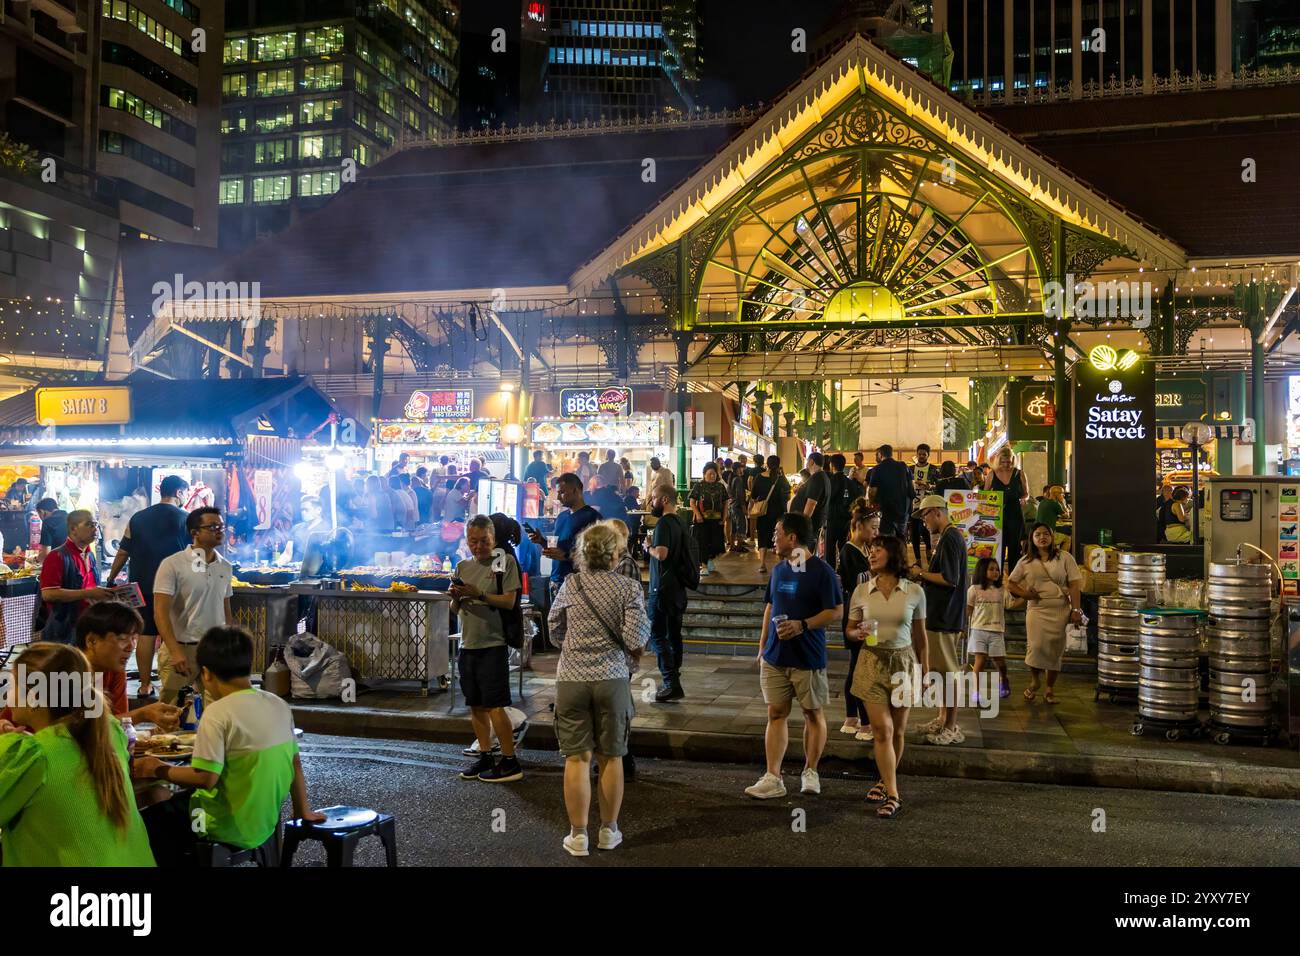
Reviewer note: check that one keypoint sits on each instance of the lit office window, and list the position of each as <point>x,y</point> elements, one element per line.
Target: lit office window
<point>234,85</point>
<point>272,188</point>
<point>322,40</point>
<point>322,76</point>
<point>319,111</point>
<point>276,46</point>
<point>274,82</point>
<point>232,192</point>
<point>321,183</point>
<point>236,50</point>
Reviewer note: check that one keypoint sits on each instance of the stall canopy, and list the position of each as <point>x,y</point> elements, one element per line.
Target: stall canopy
<point>208,418</point>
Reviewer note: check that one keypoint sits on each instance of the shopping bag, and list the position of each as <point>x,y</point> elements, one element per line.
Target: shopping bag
<point>316,669</point>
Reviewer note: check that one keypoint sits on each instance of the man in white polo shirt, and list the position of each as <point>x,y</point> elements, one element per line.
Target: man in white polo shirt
<point>192,593</point>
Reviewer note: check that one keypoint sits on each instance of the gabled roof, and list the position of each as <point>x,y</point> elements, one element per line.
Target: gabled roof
<point>855,66</point>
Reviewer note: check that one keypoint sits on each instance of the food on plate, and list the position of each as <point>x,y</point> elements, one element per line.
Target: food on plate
<point>981,549</point>
<point>574,432</point>
<point>413,432</point>
<point>390,433</point>
<point>599,431</point>
<point>984,529</point>
<point>547,431</point>
<point>956,498</point>
<point>402,586</point>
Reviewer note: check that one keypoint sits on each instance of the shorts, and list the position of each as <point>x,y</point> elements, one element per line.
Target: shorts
<point>992,643</point>
<point>945,657</point>
<point>485,676</point>
<point>172,681</point>
<point>593,715</point>
<point>877,675</point>
<point>780,685</point>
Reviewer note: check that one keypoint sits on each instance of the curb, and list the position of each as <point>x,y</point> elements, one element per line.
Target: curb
<point>1009,766</point>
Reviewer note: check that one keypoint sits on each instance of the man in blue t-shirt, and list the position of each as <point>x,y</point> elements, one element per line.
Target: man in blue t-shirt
<point>568,525</point>
<point>803,596</point>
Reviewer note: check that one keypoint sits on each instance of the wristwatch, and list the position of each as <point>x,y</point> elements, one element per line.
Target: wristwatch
<point>805,627</point>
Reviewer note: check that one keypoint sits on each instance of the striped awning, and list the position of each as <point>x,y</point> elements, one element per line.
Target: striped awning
<point>1238,432</point>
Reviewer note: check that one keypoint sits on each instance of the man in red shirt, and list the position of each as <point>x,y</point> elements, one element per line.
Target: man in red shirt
<point>107,633</point>
<point>70,579</point>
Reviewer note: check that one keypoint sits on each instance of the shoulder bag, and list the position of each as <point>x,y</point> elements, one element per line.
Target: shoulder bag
<point>612,631</point>
<point>512,618</point>
<point>758,509</point>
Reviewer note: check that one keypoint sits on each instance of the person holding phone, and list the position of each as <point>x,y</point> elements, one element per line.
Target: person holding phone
<point>568,525</point>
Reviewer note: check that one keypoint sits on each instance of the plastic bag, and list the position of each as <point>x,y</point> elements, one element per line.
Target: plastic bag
<point>316,669</point>
<point>1076,638</point>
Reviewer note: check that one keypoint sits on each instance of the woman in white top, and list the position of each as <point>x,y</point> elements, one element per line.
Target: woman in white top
<point>887,614</point>
<point>1049,580</point>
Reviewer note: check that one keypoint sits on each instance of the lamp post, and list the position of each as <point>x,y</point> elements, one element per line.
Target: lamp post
<point>1196,434</point>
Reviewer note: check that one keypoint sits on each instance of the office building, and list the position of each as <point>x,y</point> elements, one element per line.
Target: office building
<point>501,73</point>
<point>315,90</point>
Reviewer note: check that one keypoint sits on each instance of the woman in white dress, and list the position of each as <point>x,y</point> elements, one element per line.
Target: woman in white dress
<point>1049,580</point>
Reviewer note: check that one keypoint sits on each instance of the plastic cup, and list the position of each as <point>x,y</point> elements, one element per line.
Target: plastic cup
<point>872,628</point>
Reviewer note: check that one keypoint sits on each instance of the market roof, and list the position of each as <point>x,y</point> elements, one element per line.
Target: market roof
<point>205,411</point>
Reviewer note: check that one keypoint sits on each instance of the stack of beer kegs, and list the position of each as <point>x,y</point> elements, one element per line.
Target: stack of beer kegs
<point>1239,597</point>
<point>1117,645</point>
<point>1169,681</point>
<point>1142,576</point>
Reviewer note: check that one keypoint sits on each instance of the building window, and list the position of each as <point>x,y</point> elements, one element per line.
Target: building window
<point>234,86</point>
<point>412,82</point>
<point>412,118</point>
<point>272,152</point>
<point>388,102</point>
<point>234,121</point>
<point>236,51</point>
<point>272,188</point>
<point>383,132</point>
<point>384,64</point>
<point>321,146</point>
<point>322,76</point>
<point>274,82</point>
<point>362,117</point>
<point>272,118</point>
<point>318,184</point>
<point>362,153</point>
<point>232,192</point>
<point>276,46</point>
<point>361,80</point>
<point>363,48</point>
<point>186,9</point>
<point>111,142</point>
<point>121,10</point>
<point>320,111</point>
<point>322,40</point>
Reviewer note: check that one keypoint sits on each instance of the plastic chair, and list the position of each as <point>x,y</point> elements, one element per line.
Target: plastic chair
<point>340,833</point>
<point>211,854</point>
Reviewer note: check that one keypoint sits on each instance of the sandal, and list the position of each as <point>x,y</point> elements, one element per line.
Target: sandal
<point>878,794</point>
<point>891,808</point>
<point>1029,693</point>
<point>1050,698</point>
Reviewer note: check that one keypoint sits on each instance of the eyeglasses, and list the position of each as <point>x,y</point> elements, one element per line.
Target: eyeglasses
<point>212,527</point>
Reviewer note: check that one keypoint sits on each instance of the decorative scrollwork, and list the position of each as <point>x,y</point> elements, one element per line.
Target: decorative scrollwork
<point>859,123</point>
<point>1085,252</point>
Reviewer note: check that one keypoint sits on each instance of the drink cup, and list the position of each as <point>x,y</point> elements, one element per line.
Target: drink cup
<point>776,621</point>
<point>872,628</point>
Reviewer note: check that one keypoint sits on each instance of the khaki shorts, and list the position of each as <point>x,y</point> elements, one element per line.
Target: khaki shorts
<point>875,676</point>
<point>780,685</point>
<point>945,656</point>
<point>593,715</point>
<point>171,681</point>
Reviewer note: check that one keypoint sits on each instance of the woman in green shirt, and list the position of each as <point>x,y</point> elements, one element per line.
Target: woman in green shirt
<point>65,790</point>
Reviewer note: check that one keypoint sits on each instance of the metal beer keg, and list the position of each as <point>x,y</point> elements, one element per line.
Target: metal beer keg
<point>1239,598</point>
<point>1117,645</point>
<point>1168,681</point>
<point>1141,576</point>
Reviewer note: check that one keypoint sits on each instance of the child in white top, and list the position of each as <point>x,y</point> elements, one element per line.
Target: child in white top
<point>986,604</point>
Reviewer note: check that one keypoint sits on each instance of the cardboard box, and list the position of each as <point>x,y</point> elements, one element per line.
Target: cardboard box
<point>1111,559</point>
<point>1099,582</point>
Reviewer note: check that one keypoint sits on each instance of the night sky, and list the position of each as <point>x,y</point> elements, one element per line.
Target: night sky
<point>746,47</point>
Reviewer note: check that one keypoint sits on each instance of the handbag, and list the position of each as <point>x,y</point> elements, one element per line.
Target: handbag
<point>758,509</point>
<point>512,618</point>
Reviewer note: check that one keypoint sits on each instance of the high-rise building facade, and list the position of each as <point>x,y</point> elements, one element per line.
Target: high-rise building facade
<point>314,90</point>
<point>156,86</point>
<point>502,62</point>
<point>621,59</point>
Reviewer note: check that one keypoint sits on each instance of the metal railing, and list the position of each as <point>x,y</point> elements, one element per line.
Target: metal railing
<point>1134,86</point>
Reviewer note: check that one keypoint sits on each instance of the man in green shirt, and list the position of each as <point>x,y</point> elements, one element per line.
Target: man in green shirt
<point>1051,507</point>
<point>245,756</point>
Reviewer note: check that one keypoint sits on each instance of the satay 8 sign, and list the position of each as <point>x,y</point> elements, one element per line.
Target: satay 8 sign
<point>1112,473</point>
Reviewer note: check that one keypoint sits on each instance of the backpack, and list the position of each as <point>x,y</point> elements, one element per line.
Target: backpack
<point>512,618</point>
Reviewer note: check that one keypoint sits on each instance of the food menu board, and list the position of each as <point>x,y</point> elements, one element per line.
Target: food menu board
<point>978,514</point>
<point>1288,542</point>
<point>438,433</point>
<point>623,432</point>
<point>446,403</point>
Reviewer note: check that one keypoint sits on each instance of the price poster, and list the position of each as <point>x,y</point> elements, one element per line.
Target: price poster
<point>1288,542</point>
<point>978,514</point>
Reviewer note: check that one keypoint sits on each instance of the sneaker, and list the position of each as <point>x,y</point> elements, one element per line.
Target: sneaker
<point>934,726</point>
<point>482,765</point>
<point>507,770</point>
<point>864,734</point>
<point>809,781</point>
<point>473,751</point>
<point>576,845</point>
<point>848,728</point>
<point>705,572</point>
<point>942,738</point>
<point>608,839</point>
<point>1005,692</point>
<point>769,785</point>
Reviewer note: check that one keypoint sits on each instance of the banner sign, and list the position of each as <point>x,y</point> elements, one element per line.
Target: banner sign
<point>620,432</point>
<point>978,515</point>
<point>1287,539</point>
<point>1114,448</point>
<point>586,402</point>
<point>438,433</point>
<point>1181,400</point>
<point>449,403</point>
<point>101,405</point>
<point>1032,411</point>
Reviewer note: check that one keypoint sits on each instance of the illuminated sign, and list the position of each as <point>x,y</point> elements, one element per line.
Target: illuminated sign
<point>449,403</point>
<point>537,12</point>
<point>102,405</point>
<point>1104,358</point>
<point>585,402</point>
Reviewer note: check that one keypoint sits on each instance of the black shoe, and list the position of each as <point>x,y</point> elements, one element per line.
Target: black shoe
<point>507,770</point>
<point>475,771</point>
<point>670,692</point>
<point>629,767</point>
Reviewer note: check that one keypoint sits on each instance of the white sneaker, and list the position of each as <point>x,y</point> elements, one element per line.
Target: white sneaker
<point>934,726</point>
<point>576,845</point>
<point>848,728</point>
<point>864,734</point>
<point>811,782</point>
<point>942,738</point>
<point>608,839</point>
<point>769,785</point>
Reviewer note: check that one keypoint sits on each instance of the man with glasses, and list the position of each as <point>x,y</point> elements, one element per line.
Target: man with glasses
<point>192,593</point>
<point>70,579</point>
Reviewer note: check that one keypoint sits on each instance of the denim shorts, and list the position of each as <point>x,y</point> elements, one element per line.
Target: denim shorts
<point>992,643</point>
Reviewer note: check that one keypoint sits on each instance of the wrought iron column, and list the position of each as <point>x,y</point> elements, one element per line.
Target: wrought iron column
<point>683,342</point>
<point>1061,390</point>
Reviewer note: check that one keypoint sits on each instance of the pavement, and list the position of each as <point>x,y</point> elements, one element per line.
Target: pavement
<point>1078,741</point>
<point>680,813</point>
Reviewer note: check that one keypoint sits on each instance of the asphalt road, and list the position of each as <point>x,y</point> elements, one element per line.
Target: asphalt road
<point>689,814</point>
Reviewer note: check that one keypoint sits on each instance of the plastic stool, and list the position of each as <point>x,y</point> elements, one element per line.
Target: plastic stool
<point>209,854</point>
<point>340,833</point>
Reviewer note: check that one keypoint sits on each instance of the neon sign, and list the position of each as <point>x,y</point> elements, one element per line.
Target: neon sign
<point>1104,358</point>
